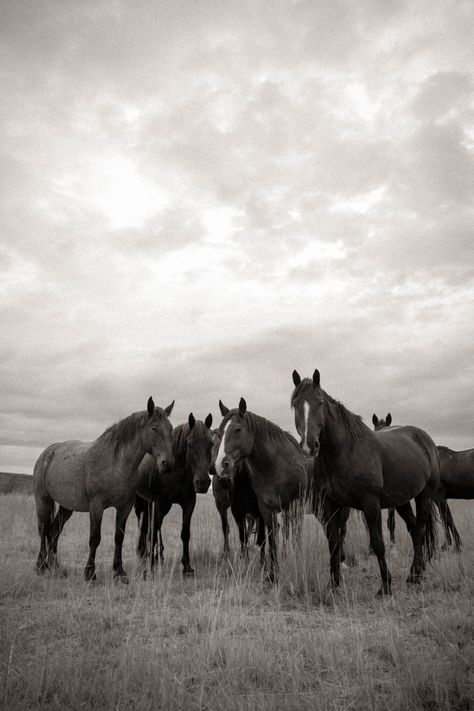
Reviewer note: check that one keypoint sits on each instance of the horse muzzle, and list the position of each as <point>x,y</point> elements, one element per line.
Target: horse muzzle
<point>201,485</point>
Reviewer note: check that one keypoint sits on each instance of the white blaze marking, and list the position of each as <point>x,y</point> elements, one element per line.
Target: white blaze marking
<point>306,420</point>
<point>221,451</point>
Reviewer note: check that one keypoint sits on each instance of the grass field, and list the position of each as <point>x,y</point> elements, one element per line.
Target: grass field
<point>226,639</point>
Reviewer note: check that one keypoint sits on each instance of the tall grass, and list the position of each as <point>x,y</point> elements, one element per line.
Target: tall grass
<point>227,639</point>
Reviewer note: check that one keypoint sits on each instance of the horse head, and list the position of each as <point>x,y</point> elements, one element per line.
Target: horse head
<point>158,439</point>
<point>381,424</point>
<point>199,445</point>
<point>307,400</point>
<point>233,442</point>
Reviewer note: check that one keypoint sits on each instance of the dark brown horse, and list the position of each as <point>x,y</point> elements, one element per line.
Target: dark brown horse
<point>367,470</point>
<point>275,462</point>
<point>379,425</point>
<point>192,452</point>
<point>457,482</point>
<point>237,494</point>
<point>453,476</point>
<point>91,476</point>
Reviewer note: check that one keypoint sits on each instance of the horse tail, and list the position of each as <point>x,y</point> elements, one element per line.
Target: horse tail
<point>430,544</point>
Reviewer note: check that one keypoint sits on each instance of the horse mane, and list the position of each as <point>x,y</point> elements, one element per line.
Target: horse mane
<point>180,435</point>
<point>124,431</point>
<point>446,450</point>
<point>261,427</point>
<point>353,424</point>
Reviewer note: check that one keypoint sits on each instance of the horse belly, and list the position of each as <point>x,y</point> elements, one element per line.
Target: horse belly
<point>64,478</point>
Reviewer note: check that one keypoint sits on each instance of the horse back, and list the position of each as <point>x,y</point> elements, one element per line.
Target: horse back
<point>61,472</point>
<point>409,460</point>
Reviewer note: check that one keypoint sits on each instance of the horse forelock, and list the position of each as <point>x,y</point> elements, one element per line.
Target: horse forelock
<point>304,390</point>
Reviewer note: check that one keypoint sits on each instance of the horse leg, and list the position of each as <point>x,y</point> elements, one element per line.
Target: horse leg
<point>96,511</point>
<point>261,537</point>
<point>188,509</point>
<point>271,526</point>
<point>225,529</point>
<point>373,516</point>
<point>141,510</point>
<point>406,513</point>
<point>391,525</point>
<point>162,508</point>
<point>343,516</point>
<point>120,523</point>
<point>60,519</point>
<point>45,515</point>
<point>424,540</point>
<point>243,533</point>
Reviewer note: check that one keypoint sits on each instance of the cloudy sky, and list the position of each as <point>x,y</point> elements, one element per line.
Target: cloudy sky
<point>198,197</point>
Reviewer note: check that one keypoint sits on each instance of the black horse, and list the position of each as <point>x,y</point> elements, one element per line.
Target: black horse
<point>239,496</point>
<point>192,451</point>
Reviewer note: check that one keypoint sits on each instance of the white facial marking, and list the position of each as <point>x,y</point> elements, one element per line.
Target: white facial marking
<point>306,420</point>
<point>221,451</point>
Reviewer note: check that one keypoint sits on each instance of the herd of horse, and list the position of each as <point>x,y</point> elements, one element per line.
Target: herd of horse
<point>258,470</point>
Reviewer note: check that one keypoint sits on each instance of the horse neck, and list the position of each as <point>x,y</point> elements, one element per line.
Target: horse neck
<point>129,457</point>
<point>266,449</point>
<point>334,435</point>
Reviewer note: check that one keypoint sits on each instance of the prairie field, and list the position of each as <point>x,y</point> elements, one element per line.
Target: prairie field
<point>226,638</point>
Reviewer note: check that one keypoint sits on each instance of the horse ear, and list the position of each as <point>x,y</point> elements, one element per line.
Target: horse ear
<point>375,420</point>
<point>242,406</point>
<point>208,421</point>
<point>224,410</point>
<point>150,406</point>
<point>191,421</point>
<point>388,420</point>
<point>296,378</point>
<point>168,409</point>
<point>316,378</point>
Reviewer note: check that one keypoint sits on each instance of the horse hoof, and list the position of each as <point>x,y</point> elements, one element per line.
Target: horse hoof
<point>188,572</point>
<point>41,569</point>
<point>90,576</point>
<point>414,580</point>
<point>382,592</point>
<point>121,578</point>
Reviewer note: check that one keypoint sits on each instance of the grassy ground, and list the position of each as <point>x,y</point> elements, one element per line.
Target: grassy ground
<point>227,639</point>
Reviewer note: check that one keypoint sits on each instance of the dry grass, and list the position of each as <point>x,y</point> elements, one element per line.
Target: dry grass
<point>226,639</point>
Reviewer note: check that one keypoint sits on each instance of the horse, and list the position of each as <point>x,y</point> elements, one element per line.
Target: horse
<point>276,465</point>
<point>457,482</point>
<point>368,471</point>
<point>192,452</point>
<point>450,475</point>
<point>238,495</point>
<point>92,476</point>
<point>379,425</point>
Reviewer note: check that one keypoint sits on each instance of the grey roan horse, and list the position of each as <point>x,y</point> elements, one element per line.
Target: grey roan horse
<point>192,451</point>
<point>91,476</point>
<point>367,470</point>
<point>275,461</point>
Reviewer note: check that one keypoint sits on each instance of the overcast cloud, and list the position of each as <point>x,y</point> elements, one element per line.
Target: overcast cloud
<point>198,198</point>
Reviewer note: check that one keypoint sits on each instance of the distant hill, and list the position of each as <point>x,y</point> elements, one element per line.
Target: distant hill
<point>16,483</point>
